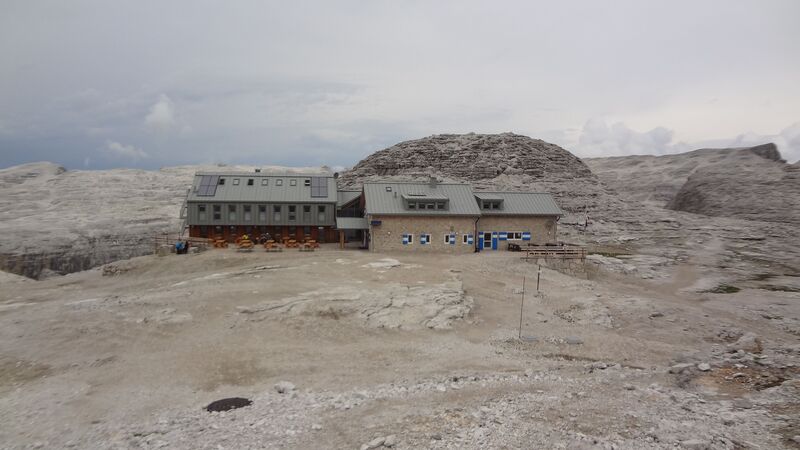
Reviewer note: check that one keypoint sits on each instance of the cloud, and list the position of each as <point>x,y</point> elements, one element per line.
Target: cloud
<point>598,139</point>
<point>162,115</point>
<point>126,151</point>
<point>788,141</point>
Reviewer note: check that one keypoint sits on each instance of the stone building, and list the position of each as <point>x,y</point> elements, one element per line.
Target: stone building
<point>452,218</point>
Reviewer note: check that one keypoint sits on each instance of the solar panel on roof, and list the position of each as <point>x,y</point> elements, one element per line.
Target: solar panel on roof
<point>208,186</point>
<point>319,187</point>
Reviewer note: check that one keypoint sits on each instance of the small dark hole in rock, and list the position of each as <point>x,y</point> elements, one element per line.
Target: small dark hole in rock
<point>228,403</point>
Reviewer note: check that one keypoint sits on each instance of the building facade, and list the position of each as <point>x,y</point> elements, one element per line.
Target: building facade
<point>228,205</point>
<point>452,218</point>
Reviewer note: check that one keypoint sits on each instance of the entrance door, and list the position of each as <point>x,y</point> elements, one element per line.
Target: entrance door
<point>487,239</point>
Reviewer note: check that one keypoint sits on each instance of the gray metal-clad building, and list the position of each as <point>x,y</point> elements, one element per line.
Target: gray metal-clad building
<point>235,203</point>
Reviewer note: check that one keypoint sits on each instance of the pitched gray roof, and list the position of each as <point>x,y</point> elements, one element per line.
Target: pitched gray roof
<point>258,192</point>
<point>379,200</point>
<point>345,197</point>
<point>521,203</point>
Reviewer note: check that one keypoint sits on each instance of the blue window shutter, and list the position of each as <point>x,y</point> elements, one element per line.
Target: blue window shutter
<point>405,239</point>
<point>503,236</point>
<point>452,239</point>
<point>469,239</point>
<point>526,236</point>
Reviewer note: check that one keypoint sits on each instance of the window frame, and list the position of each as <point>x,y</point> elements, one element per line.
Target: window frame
<point>265,181</point>
<point>447,238</point>
<point>410,238</point>
<point>232,209</point>
<point>291,214</point>
<point>322,213</point>
<point>427,237</point>
<point>277,213</point>
<point>465,239</point>
<point>279,182</point>
<point>262,209</point>
<point>216,212</point>
<point>201,212</point>
<point>235,181</point>
<point>247,213</point>
<point>293,182</point>
<point>250,181</point>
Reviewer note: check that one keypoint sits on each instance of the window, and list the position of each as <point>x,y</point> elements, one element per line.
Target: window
<point>247,214</point>
<point>262,213</point>
<point>292,213</point>
<point>429,206</point>
<point>201,212</point>
<point>235,181</point>
<point>249,181</point>
<point>465,238</point>
<point>292,182</point>
<point>514,235</point>
<point>231,212</point>
<point>265,181</point>
<point>440,205</point>
<point>307,182</point>
<point>410,238</point>
<point>278,182</point>
<point>276,213</point>
<point>412,206</point>
<point>321,213</point>
<point>424,238</point>
<point>447,238</point>
<point>221,181</point>
<point>388,189</point>
<point>217,212</point>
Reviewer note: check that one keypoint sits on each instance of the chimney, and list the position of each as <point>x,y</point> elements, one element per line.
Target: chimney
<point>258,170</point>
<point>432,181</point>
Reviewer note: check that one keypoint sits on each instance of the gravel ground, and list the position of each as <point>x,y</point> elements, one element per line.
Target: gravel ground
<point>338,349</point>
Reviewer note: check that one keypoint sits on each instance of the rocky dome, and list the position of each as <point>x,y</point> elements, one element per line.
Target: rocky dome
<point>750,183</point>
<point>487,161</point>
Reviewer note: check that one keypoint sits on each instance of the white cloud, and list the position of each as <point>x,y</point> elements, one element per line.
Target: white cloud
<point>598,139</point>
<point>126,151</point>
<point>162,114</point>
<point>788,141</point>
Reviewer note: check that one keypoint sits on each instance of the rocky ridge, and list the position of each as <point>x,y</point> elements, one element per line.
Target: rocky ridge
<point>55,221</point>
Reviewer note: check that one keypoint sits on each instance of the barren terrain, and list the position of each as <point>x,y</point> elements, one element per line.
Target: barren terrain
<point>337,349</point>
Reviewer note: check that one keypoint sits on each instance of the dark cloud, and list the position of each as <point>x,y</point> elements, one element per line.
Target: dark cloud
<point>327,83</point>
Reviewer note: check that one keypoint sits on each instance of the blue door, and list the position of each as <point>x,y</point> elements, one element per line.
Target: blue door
<point>485,240</point>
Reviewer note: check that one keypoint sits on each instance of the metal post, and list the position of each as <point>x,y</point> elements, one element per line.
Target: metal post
<point>520,308</point>
<point>538,276</point>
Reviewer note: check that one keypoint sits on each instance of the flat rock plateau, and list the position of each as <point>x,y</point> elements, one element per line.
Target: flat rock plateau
<point>680,330</point>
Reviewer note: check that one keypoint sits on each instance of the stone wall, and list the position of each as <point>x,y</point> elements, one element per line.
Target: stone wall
<point>388,236</point>
<point>542,229</point>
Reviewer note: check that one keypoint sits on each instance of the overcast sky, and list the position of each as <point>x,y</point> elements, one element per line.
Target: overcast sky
<point>98,84</point>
